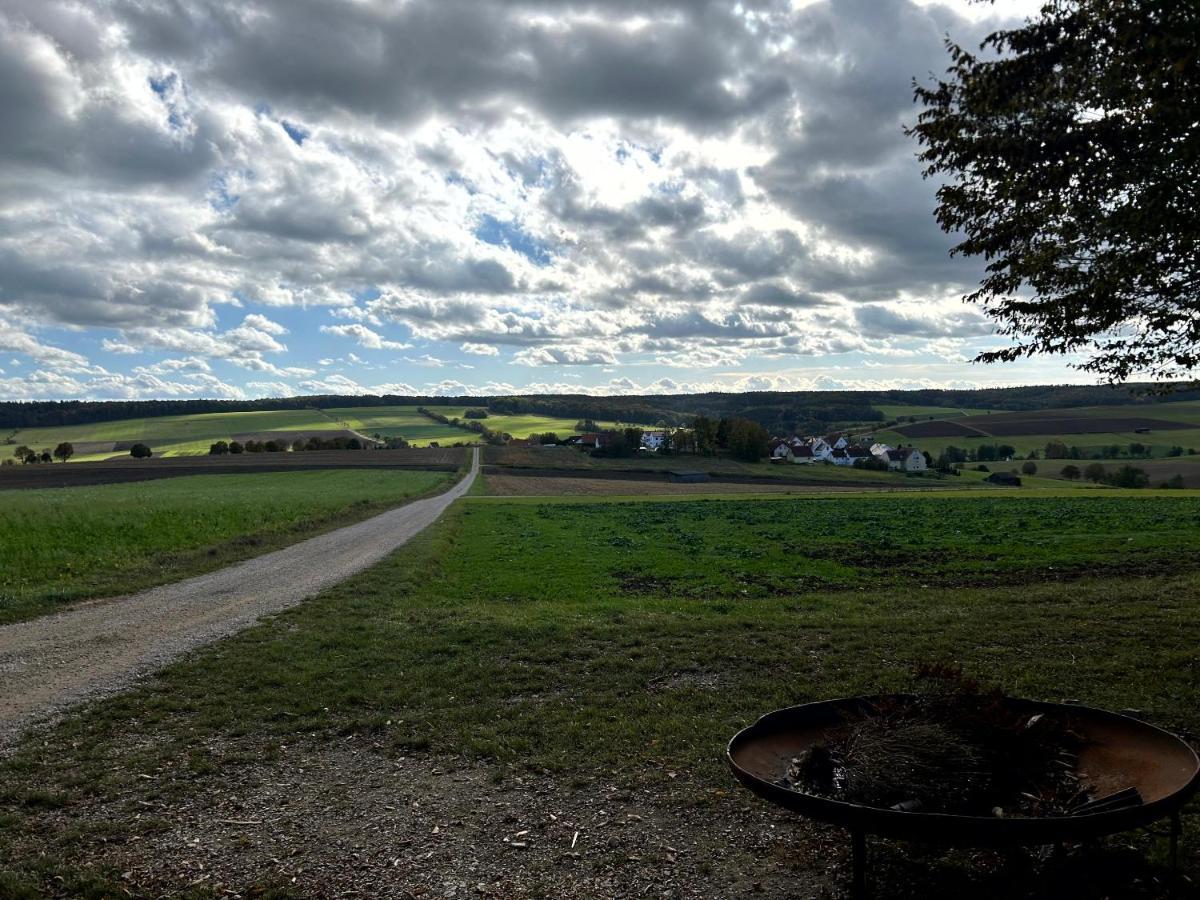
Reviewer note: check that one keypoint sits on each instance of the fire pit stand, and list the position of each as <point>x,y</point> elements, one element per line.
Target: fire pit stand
<point>1155,771</point>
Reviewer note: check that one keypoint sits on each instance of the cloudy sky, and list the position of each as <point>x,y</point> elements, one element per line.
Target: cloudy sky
<point>241,198</point>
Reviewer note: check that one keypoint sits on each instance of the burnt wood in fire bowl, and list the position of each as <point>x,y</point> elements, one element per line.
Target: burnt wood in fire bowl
<point>1119,753</point>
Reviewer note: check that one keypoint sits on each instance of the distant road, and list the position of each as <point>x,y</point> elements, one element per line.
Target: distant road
<point>99,648</point>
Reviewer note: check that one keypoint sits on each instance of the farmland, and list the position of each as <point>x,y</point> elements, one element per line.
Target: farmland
<point>538,694</point>
<point>1089,428</point>
<point>193,434</point>
<point>65,544</point>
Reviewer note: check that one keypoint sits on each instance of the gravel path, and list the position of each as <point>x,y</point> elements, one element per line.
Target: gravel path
<point>100,648</point>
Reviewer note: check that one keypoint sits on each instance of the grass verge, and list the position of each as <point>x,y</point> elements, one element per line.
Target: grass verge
<point>64,544</point>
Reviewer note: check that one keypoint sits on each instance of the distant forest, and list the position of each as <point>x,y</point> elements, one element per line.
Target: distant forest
<point>778,411</point>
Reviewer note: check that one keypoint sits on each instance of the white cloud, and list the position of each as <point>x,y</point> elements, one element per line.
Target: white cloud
<point>364,336</point>
<point>479,349</point>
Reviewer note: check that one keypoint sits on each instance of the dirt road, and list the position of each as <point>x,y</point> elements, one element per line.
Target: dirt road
<point>99,648</point>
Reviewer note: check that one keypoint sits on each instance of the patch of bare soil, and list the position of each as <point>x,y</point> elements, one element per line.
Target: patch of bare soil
<point>549,486</point>
<point>346,820</point>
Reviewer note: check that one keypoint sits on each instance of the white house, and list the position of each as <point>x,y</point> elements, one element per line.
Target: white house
<point>906,459</point>
<point>802,454</point>
<point>653,440</point>
<point>880,447</point>
<point>821,450</point>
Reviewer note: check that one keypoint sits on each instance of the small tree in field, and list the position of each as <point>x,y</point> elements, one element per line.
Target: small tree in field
<point>140,451</point>
<point>220,448</point>
<point>64,451</point>
<point>1095,473</point>
<point>1029,467</point>
<point>1071,473</point>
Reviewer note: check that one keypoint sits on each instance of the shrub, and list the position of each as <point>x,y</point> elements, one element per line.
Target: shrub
<point>1071,473</point>
<point>1095,473</point>
<point>475,413</point>
<point>236,447</point>
<point>220,448</point>
<point>1128,477</point>
<point>140,451</point>
<point>1029,467</point>
<point>64,451</point>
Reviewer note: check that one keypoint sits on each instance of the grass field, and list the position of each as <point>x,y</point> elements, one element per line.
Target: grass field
<point>192,435</point>
<point>1107,430</point>
<point>571,458</point>
<point>64,544</point>
<point>532,699</point>
<point>891,411</point>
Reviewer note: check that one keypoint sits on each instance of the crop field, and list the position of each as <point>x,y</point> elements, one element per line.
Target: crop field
<point>532,699</point>
<point>65,544</point>
<point>193,434</point>
<point>550,486</point>
<point>554,458</point>
<point>1089,428</point>
<point>1159,470</point>
<point>892,411</point>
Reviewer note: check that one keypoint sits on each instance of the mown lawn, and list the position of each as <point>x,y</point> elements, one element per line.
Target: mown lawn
<point>623,643</point>
<point>63,544</point>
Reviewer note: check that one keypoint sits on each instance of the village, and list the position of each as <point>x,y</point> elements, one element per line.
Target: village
<point>835,449</point>
<point>838,450</point>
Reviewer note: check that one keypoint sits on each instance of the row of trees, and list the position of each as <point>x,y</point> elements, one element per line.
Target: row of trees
<point>28,456</point>
<point>280,445</point>
<point>495,438</point>
<point>739,438</point>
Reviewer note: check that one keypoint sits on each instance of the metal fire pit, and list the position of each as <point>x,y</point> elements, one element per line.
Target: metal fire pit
<point>1120,752</point>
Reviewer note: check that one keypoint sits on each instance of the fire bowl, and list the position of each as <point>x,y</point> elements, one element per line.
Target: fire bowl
<point>1119,753</point>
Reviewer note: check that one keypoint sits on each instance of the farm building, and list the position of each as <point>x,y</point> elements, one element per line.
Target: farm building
<point>1006,479</point>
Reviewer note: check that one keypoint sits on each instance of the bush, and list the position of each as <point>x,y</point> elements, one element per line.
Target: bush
<point>1128,477</point>
<point>220,448</point>
<point>1029,467</point>
<point>64,451</point>
<point>236,447</point>
<point>140,451</point>
<point>476,413</point>
<point>982,468</point>
<point>1174,482</point>
<point>1095,473</point>
<point>1071,473</point>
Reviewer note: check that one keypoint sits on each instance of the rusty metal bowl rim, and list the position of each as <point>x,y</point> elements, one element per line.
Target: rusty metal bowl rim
<point>954,829</point>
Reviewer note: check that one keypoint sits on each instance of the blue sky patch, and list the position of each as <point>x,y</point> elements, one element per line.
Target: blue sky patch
<point>509,234</point>
<point>297,133</point>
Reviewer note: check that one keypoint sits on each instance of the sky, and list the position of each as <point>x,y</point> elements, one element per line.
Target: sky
<point>255,198</point>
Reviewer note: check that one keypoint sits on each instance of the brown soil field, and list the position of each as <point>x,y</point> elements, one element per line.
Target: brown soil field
<point>938,428</point>
<point>118,471</point>
<point>551,486</point>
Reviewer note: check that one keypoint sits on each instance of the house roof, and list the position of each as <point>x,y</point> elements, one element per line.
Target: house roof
<point>802,450</point>
<point>857,451</point>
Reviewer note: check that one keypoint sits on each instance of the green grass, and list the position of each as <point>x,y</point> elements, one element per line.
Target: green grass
<point>192,435</point>
<point>63,544</point>
<point>892,411</point>
<point>1159,440</point>
<point>537,635</point>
